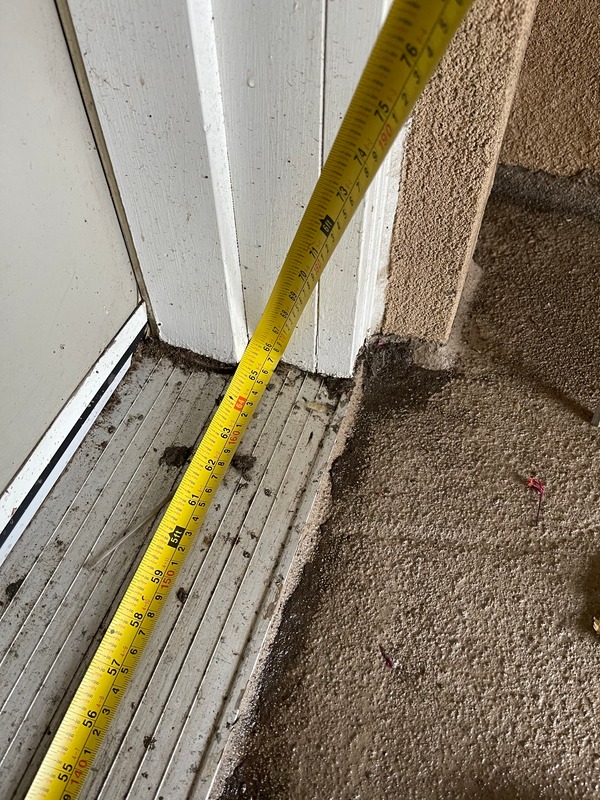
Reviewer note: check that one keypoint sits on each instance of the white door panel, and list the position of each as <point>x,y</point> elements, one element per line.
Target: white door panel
<point>66,284</point>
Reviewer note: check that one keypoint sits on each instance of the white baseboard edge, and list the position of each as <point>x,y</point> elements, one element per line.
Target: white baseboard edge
<point>29,488</point>
<point>376,243</point>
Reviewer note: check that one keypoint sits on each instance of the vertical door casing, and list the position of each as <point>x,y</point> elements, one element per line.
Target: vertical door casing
<point>163,129</point>
<point>351,289</point>
<point>271,70</point>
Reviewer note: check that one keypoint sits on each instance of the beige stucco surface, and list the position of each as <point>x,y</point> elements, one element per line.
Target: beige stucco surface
<point>451,155</point>
<point>555,120</point>
<point>430,549</point>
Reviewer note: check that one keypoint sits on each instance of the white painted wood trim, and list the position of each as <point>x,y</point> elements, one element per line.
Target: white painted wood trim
<point>270,59</point>
<point>380,213</point>
<point>140,59</point>
<point>26,478</point>
<point>351,293</point>
<point>202,27</point>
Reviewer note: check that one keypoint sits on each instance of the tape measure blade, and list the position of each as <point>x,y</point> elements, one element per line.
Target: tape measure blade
<point>407,50</point>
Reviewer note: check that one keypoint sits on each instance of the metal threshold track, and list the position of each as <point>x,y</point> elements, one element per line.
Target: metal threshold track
<point>170,730</point>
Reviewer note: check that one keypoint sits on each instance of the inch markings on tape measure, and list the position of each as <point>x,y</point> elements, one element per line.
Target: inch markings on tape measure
<point>407,50</point>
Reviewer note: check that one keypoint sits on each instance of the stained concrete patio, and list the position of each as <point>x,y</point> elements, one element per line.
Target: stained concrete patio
<point>428,548</point>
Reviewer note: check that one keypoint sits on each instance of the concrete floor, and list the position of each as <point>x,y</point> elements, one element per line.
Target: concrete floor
<point>429,549</point>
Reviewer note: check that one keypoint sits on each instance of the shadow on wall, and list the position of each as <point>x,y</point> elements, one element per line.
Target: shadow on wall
<point>549,263</point>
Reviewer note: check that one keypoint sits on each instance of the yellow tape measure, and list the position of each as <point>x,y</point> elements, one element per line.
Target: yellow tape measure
<point>407,50</point>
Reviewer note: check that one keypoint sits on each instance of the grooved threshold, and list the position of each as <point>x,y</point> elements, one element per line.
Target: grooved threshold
<point>64,578</point>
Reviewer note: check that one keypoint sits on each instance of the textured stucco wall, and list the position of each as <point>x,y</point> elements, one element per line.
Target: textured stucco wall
<point>451,156</point>
<point>555,120</point>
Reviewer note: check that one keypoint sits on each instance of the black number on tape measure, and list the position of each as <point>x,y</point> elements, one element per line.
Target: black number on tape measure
<point>177,533</point>
<point>360,156</point>
<point>382,110</point>
<point>327,222</point>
